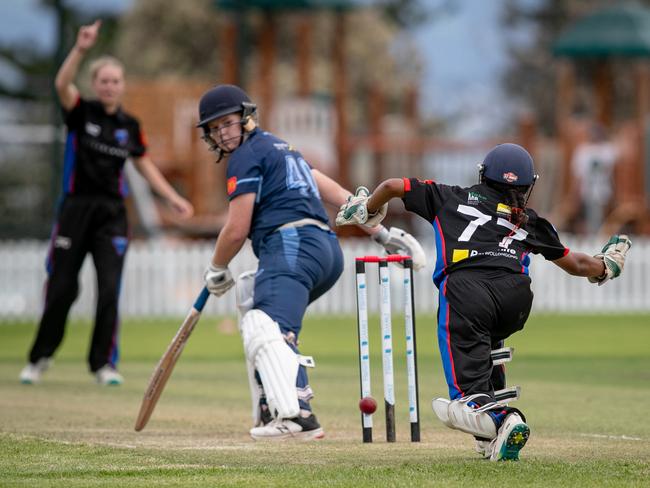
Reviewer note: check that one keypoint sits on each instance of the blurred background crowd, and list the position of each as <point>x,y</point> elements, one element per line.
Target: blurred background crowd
<point>365,89</point>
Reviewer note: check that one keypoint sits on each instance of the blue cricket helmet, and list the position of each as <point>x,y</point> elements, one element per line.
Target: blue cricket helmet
<point>509,164</point>
<point>223,100</point>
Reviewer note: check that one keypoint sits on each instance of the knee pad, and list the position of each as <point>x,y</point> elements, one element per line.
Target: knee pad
<point>277,364</point>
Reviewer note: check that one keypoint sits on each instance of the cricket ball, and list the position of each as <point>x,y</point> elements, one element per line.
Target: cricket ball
<point>367,405</point>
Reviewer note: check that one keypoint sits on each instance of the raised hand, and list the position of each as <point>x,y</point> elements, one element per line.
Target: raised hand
<point>87,35</point>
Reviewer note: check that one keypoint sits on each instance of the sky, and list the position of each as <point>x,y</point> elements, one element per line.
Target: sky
<point>463,53</point>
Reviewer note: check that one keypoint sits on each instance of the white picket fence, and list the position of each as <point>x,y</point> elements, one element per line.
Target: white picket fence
<point>162,278</point>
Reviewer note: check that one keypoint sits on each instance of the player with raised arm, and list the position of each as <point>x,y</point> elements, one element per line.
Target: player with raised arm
<point>276,200</point>
<point>91,215</point>
<point>484,235</point>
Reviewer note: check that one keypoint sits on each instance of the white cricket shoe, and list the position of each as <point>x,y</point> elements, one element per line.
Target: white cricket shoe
<point>460,416</point>
<point>300,428</point>
<point>108,376</point>
<point>31,374</point>
<point>440,407</point>
<point>511,438</point>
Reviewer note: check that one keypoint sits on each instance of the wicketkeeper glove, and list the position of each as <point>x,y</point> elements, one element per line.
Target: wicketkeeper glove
<point>355,210</point>
<point>218,279</point>
<point>398,241</point>
<point>613,256</point>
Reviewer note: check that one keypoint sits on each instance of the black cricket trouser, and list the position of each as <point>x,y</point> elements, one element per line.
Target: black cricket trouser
<point>85,224</point>
<point>477,311</point>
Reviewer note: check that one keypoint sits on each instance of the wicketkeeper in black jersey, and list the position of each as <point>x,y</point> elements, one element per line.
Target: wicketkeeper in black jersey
<point>484,235</point>
<point>91,215</point>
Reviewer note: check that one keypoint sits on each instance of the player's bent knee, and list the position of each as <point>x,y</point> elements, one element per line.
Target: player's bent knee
<point>276,363</point>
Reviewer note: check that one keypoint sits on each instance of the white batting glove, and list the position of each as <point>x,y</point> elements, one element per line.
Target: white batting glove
<point>218,279</point>
<point>613,256</point>
<point>355,210</point>
<point>398,241</point>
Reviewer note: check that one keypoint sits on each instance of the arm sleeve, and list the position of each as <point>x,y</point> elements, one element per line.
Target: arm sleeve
<point>139,147</point>
<point>546,241</point>
<point>423,197</point>
<point>244,174</point>
<point>73,119</point>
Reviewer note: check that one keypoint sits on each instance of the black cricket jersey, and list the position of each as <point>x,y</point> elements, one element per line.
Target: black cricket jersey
<point>473,230</point>
<point>97,147</point>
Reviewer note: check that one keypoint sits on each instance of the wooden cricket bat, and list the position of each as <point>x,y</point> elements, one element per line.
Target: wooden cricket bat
<point>165,366</point>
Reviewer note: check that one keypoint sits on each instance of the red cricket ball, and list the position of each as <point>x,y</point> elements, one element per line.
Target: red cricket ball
<point>367,405</point>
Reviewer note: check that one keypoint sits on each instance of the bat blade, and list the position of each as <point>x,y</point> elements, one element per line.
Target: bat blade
<point>165,366</point>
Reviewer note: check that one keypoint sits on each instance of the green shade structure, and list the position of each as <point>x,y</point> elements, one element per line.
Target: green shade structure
<point>284,4</point>
<point>617,31</point>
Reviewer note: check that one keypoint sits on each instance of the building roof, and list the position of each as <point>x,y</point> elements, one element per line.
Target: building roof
<point>617,31</point>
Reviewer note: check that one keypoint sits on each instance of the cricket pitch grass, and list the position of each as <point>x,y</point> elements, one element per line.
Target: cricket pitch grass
<point>585,390</point>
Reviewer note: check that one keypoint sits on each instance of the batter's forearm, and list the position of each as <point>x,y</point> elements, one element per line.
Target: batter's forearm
<point>228,245</point>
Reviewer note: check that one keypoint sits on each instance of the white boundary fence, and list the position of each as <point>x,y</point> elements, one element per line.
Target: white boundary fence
<point>162,278</point>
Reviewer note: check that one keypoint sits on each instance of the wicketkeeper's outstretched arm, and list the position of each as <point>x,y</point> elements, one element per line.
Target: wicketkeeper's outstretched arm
<point>604,266</point>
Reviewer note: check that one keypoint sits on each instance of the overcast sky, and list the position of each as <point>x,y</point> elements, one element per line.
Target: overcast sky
<point>462,49</point>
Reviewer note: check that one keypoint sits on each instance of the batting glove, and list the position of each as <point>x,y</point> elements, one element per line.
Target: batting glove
<point>397,241</point>
<point>355,210</point>
<point>613,256</point>
<point>218,279</point>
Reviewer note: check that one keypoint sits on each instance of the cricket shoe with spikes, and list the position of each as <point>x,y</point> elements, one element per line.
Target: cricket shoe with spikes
<point>466,416</point>
<point>31,374</point>
<point>512,437</point>
<point>108,376</point>
<point>299,428</point>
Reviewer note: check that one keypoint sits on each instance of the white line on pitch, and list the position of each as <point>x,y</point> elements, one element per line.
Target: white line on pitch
<point>615,437</point>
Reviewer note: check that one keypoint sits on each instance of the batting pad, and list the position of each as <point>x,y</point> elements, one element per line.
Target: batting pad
<point>276,363</point>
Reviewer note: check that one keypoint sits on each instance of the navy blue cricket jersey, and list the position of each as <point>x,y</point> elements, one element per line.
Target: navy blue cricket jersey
<point>281,179</point>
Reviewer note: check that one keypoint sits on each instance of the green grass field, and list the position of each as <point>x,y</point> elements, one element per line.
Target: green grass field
<point>586,392</point>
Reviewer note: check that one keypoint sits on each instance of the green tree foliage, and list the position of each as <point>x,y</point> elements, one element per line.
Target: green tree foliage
<point>160,38</point>
<point>530,78</point>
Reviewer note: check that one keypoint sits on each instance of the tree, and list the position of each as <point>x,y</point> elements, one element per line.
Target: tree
<point>530,78</point>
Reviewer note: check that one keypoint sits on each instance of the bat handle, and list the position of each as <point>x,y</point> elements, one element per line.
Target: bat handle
<point>201,300</point>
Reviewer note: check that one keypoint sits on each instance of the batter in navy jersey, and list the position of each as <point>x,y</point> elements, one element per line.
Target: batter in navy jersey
<point>91,216</point>
<point>276,200</point>
<point>484,237</point>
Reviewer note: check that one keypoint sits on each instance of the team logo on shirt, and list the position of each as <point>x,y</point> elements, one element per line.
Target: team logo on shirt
<point>510,177</point>
<point>504,209</point>
<point>474,198</point>
<point>93,129</point>
<point>122,136</point>
<point>231,185</point>
<point>459,255</point>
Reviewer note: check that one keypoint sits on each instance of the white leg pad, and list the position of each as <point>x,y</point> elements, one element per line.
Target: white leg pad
<point>245,292</point>
<point>245,288</point>
<point>276,363</point>
<point>255,390</point>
